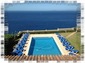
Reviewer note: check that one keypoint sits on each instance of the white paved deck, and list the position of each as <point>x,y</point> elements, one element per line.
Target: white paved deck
<point>58,43</point>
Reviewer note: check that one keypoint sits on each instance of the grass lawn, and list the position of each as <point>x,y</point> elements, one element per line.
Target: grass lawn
<point>75,40</point>
<point>8,35</point>
<point>65,34</point>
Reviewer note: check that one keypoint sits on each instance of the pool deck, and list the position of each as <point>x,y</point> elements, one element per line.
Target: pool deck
<point>57,41</point>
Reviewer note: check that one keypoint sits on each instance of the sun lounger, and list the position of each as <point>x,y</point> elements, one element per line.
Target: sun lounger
<point>19,47</point>
<point>75,51</point>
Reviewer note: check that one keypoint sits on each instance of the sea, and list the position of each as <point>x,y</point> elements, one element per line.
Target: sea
<point>40,20</point>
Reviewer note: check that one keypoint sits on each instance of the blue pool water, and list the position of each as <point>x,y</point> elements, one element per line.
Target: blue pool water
<point>43,46</point>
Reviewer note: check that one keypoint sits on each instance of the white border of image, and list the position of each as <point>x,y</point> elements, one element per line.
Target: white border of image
<point>82,28</point>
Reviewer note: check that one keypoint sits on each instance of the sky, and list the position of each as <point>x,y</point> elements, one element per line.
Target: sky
<point>37,6</point>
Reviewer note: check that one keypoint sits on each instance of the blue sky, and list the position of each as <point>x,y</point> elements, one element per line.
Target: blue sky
<point>42,7</point>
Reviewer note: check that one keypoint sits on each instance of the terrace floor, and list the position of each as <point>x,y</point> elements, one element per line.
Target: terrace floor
<point>43,58</point>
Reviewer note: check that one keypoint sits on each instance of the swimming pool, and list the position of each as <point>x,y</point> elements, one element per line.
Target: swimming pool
<point>43,46</point>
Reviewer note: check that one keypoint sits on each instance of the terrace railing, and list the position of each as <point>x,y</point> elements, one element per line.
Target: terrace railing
<point>43,58</point>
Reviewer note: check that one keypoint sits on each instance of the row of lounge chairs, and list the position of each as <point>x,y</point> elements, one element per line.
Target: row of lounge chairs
<point>67,45</point>
<point>19,47</point>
